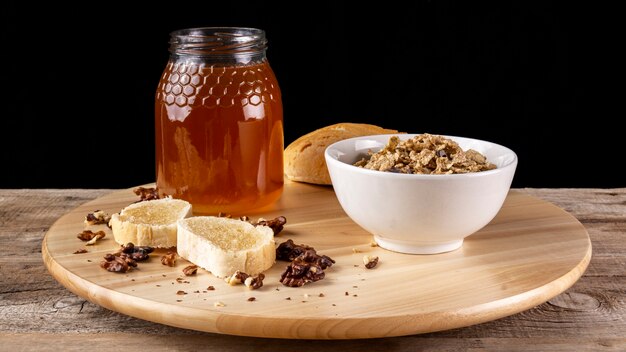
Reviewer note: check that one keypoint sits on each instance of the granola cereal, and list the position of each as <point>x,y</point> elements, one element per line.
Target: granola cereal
<point>425,154</point>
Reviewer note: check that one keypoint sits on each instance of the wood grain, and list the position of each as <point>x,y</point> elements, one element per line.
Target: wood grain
<point>529,253</point>
<point>38,314</point>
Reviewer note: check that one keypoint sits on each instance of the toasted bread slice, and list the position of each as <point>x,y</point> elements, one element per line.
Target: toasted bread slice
<point>304,158</point>
<point>223,246</point>
<point>150,223</point>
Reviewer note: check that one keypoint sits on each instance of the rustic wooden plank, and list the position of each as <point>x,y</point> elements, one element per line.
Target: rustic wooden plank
<point>588,205</point>
<point>26,215</point>
<point>47,311</point>
<point>209,342</point>
<point>552,319</point>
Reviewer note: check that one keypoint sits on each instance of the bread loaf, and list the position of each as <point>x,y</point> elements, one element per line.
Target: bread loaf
<point>223,245</point>
<point>150,223</point>
<point>304,158</point>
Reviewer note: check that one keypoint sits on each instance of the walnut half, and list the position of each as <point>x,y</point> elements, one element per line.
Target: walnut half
<point>97,217</point>
<point>95,239</point>
<point>137,253</point>
<point>289,251</point>
<point>251,282</point>
<point>301,272</point>
<point>236,278</point>
<point>126,258</point>
<point>306,266</point>
<point>118,263</point>
<point>88,235</point>
<point>190,270</point>
<point>277,224</point>
<point>254,282</point>
<point>169,259</point>
<point>370,261</point>
<point>146,193</point>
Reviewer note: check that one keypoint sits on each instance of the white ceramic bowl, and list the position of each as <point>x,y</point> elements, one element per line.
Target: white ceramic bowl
<point>413,213</point>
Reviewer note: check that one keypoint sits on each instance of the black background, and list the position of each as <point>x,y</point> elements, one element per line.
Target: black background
<point>79,82</point>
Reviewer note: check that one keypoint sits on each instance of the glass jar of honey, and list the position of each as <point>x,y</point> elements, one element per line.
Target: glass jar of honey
<point>219,122</point>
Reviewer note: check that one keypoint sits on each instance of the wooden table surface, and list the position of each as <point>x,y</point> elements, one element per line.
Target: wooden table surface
<point>38,314</point>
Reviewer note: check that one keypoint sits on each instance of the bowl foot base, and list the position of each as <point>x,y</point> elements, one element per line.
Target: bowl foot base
<point>419,248</point>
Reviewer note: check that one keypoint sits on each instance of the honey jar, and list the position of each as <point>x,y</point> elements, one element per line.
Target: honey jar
<point>219,121</point>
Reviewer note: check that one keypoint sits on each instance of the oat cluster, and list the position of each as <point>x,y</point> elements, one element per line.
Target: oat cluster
<point>425,154</point>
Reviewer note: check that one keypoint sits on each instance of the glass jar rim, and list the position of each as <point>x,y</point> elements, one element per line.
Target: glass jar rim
<point>217,41</point>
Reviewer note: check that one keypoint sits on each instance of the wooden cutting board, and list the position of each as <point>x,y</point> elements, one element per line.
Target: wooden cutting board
<point>531,252</point>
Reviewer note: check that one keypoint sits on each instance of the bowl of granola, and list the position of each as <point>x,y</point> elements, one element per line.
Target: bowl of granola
<point>420,193</point>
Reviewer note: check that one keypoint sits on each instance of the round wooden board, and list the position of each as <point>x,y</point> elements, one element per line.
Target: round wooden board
<point>531,252</point>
